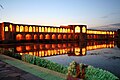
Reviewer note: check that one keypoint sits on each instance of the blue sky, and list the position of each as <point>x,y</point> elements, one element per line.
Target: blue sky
<point>61,12</point>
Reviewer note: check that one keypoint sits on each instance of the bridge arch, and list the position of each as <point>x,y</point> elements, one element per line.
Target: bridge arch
<point>28,37</point>
<point>47,36</point>
<point>69,36</point>
<point>59,36</point>
<point>35,37</point>
<point>19,37</point>
<point>53,36</point>
<point>64,36</point>
<point>41,36</point>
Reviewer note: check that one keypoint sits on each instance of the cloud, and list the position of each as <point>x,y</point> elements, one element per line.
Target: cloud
<point>114,26</point>
<point>109,15</point>
<point>104,16</point>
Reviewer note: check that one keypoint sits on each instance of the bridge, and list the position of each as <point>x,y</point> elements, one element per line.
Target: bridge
<point>24,32</point>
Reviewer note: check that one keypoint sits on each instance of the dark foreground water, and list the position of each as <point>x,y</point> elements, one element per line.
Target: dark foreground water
<point>101,54</point>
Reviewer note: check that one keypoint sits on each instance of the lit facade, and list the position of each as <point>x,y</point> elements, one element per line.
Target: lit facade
<point>22,32</point>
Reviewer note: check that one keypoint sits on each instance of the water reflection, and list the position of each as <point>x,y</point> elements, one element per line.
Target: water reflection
<point>71,49</point>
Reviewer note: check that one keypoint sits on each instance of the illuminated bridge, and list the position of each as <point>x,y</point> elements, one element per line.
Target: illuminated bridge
<point>23,32</point>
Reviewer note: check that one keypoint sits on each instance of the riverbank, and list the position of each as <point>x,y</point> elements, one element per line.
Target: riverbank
<point>37,71</point>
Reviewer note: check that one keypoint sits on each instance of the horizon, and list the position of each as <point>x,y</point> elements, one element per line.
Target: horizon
<point>65,12</point>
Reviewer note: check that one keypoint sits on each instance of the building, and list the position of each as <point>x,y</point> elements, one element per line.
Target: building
<point>22,32</point>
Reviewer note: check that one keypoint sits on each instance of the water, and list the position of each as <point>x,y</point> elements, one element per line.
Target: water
<point>101,54</point>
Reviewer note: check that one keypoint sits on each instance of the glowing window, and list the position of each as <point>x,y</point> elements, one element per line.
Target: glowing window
<point>77,29</point>
<point>42,29</point>
<point>49,29</point>
<point>33,28</point>
<point>10,27</point>
<point>84,30</point>
<point>36,29</point>
<point>6,28</point>
<point>61,30</point>
<point>54,30</point>
<point>26,28</point>
<point>57,29</point>
<point>30,29</point>
<point>17,28</point>
<point>21,29</point>
<point>39,29</point>
<point>45,29</point>
<point>68,30</point>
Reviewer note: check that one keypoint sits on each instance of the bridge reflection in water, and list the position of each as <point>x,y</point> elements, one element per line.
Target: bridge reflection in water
<point>71,49</point>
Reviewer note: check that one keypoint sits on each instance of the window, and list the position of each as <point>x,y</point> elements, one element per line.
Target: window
<point>83,29</point>
<point>26,28</point>
<point>10,27</point>
<point>17,28</point>
<point>6,28</point>
<point>30,29</point>
<point>21,29</point>
<point>77,29</point>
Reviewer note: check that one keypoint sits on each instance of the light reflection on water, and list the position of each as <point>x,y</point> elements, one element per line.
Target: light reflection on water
<point>100,54</point>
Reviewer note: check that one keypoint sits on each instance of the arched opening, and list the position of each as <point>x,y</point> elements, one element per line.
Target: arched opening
<point>59,36</point>
<point>64,36</point>
<point>47,46</point>
<point>61,30</point>
<point>19,48</point>
<point>41,36</point>
<point>36,29</point>
<point>30,29</point>
<point>53,36</point>
<point>54,29</point>
<point>45,29</point>
<point>6,28</point>
<point>51,29</point>
<point>68,30</point>
<point>10,27</point>
<point>58,30</point>
<point>76,36</point>
<point>83,29</point>
<point>69,36</point>
<point>17,28</point>
<point>77,29</point>
<point>39,29</point>
<point>33,28</point>
<point>28,37</point>
<point>19,37</point>
<point>26,28</point>
<point>42,29</point>
<point>28,48</point>
<point>47,36</point>
<point>35,37</point>
<point>21,29</point>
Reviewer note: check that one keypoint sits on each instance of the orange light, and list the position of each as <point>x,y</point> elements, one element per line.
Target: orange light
<point>26,29</point>
<point>17,28</point>
<point>21,29</point>
<point>10,27</point>
<point>19,37</point>
<point>19,48</point>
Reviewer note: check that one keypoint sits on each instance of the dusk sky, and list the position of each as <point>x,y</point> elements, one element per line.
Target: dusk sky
<point>61,12</point>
